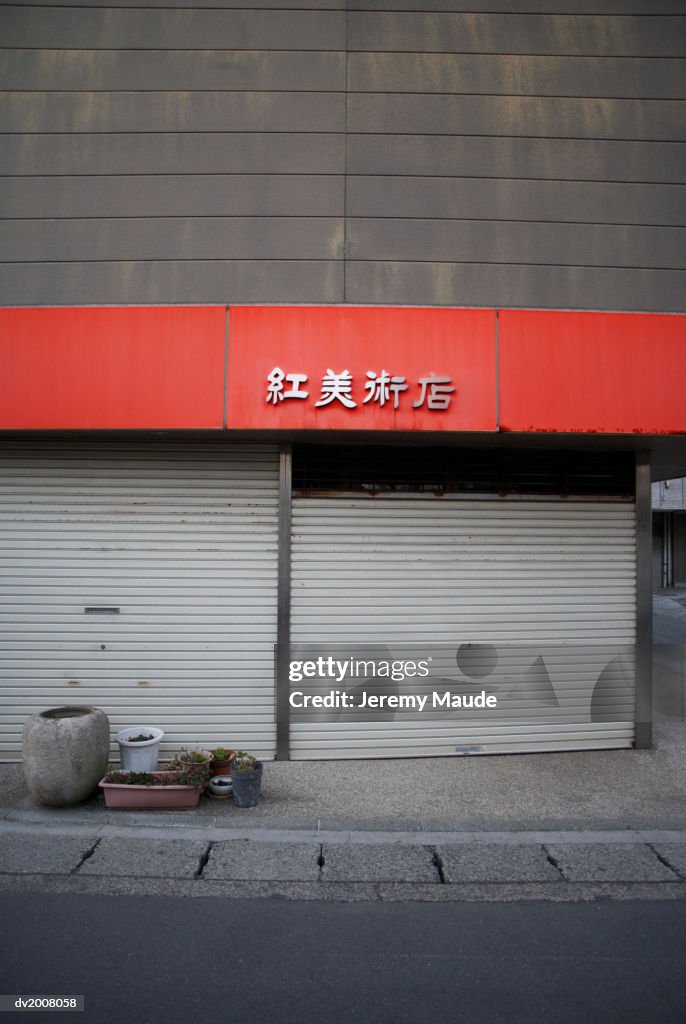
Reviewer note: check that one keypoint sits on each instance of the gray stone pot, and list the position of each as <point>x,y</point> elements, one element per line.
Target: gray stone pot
<point>65,753</point>
<point>246,786</point>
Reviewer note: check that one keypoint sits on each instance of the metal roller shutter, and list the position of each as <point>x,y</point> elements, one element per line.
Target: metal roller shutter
<point>181,538</point>
<point>546,578</point>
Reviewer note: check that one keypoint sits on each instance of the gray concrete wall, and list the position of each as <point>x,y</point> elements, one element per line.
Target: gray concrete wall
<point>158,151</point>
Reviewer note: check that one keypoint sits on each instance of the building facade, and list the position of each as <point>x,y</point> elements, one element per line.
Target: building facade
<point>669,533</point>
<point>339,332</point>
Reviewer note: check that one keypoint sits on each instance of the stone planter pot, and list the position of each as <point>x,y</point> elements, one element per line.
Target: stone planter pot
<point>143,755</point>
<point>246,786</point>
<point>65,752</point>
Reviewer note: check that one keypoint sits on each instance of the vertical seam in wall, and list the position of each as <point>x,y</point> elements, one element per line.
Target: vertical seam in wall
<point>283,624</point>
<point>497,369</point>
<point>643,710</point>
<point>345,165</point>
<point>226,371</point>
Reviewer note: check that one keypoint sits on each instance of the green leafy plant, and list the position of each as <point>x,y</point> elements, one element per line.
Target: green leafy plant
<point>194,775</point>
<point>187,756</point>
<point>141,738</point>
<point>141,779</point>
<point>244,762</point>
<point>120,778</point>
<point>221,754</point>
<point>193,767</point>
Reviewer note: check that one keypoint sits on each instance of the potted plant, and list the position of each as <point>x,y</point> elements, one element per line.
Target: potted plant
<point>187,758</point>
<point>139,747</point>
<point>222,758</point>
<point>246,777</point>
<point>154,790</point>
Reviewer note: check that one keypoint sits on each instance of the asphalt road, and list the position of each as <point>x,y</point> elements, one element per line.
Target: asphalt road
<point>183,961</point>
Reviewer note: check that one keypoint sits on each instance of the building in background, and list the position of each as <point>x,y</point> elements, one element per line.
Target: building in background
<point>669,533</point>
<point>339,324</point>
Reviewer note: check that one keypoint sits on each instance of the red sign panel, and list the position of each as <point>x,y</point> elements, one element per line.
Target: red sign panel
<point>592,372</point>
<point>353,368</point>
<point>341,368</point>
<point>112,368</point>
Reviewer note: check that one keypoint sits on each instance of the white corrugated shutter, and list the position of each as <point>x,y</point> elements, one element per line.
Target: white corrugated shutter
<point>181,537</point>
<point>550,577</point>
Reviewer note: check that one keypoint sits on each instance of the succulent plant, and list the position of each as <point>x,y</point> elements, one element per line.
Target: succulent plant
<point>221,754</point>
<point>244,762</point>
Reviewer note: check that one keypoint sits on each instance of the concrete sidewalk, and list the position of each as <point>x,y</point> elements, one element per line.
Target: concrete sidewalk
<point>342,865</point>
<point>557,826</point>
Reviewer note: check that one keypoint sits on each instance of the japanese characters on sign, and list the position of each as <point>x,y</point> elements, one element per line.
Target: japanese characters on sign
<point>355,368</point>
<point>431,392</point>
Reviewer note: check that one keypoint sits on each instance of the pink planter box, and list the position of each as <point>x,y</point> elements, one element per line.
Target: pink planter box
<point>119,795</point>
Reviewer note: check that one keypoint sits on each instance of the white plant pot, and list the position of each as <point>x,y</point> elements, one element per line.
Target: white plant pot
<point>141,756</point>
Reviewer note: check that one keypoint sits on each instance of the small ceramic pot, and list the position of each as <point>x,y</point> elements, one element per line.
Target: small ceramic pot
<point>220,787</point>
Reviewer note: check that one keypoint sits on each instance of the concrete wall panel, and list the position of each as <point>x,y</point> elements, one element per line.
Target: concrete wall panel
<point>77,112</point>
<point>171,282</point>
<point>174,153</point>
<point>468,153</point>
<point>212,195</point>
<point>518,287</point>
<point>519,75</point>
<point>481,156</point>
<point>486,6</point>
<point>176,238</point>
<point>65,28</point>
<point>600,7</point>
<point>520,200</point>
<point>519,242</point>
<point>243,70</point>
<point>536,116</point>
<point>566,34</point>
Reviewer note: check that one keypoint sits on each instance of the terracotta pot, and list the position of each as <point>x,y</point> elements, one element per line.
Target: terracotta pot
<point>222,766</point>
<point>119,795</point>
